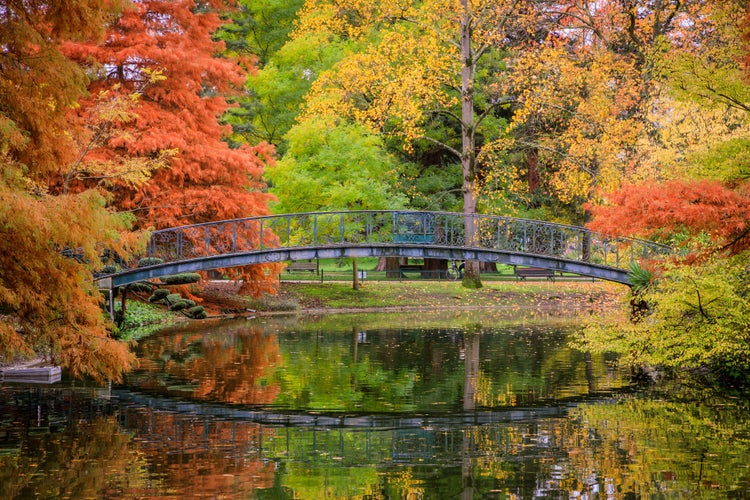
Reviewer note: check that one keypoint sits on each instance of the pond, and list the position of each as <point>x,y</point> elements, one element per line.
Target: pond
<point>411,406</point>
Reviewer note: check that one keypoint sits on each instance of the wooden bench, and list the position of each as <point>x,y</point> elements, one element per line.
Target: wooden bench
<point>303,266</point>
<point>533,272</point>
<point>410,267</point>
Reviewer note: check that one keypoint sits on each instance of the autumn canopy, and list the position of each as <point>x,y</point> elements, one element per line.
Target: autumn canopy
<point>118,117</point>
<point>109,124</point>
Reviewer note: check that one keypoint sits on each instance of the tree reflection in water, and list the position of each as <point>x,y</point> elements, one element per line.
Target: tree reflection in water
<point>360,412</point>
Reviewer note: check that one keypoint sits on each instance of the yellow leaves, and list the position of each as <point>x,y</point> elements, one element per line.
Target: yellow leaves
<point>342,19</point>
<point>107,121</point>
<point>154,75</point>
<point>578,111</point>
<point>391,83</point>
<point>688,133</point>
<point>130,171</point>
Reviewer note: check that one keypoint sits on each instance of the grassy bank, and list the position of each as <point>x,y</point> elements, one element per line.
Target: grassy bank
<point>222,298</point>
<point>337,296</point>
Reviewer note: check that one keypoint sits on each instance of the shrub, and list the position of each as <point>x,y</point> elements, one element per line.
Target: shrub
<point>196,312</point>
<point>640,278</point>
<point>173,297</point>
<point>159,294</point>
<point>181,279</point>
<point>140,286</point>
<point>178,305</point>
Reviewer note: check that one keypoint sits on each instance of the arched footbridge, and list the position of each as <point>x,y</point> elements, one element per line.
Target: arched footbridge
<point>420,235</point>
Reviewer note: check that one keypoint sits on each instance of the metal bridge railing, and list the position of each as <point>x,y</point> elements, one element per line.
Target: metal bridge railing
<point>443,229</point>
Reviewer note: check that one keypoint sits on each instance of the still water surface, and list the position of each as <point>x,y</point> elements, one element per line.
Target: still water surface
<point>371,407</point>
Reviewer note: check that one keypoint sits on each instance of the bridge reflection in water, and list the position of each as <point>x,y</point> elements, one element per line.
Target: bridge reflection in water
<point>434,235</point>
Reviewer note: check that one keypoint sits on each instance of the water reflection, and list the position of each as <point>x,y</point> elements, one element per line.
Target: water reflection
<point>227,363</point>
<point>367,411</point>
<point>371,369</point>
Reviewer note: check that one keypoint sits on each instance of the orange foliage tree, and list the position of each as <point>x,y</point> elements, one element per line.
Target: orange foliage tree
<point>50,242</point>
<point>694,209</point>
<point>205,180</point>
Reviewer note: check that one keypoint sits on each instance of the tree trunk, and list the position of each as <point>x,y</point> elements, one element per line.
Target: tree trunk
<point>355,275</point>
<point>534,181</point>
<point>488,267</point>
<point>390,265</point>
<point>435,268</point>
<point>468,141</point>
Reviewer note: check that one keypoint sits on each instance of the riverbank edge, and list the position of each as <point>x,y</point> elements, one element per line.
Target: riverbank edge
<point>224,300</point>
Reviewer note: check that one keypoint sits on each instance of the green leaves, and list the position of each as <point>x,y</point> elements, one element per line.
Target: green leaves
<point>699,316</point>
<point>640,278</point>
<point>334,166</point>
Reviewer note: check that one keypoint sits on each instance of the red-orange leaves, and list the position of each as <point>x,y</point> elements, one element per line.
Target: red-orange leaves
<point>206,179</point>
<point>696,209</point>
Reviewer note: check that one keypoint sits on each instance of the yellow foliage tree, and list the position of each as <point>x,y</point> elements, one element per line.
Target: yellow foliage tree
<point>419,62</point>
<point>575,121</point>
<point>591,109</point>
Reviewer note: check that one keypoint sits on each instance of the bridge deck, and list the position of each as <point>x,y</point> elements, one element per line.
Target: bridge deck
<point>435,235</point>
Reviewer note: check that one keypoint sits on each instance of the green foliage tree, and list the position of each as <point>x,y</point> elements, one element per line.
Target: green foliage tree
<point>258,34</point>
<point>334,167</point>
<point>277,90</point>
<point>699,317</point>
<point>260,28</point>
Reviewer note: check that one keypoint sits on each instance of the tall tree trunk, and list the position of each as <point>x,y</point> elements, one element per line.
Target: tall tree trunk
<point>391,266</point>
<point>468,160</point>
<point>355,275</point>
<point>534,181</point>
<point>435,268</point>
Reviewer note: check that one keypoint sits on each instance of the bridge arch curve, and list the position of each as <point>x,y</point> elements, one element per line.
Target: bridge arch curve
<point>434,235</point>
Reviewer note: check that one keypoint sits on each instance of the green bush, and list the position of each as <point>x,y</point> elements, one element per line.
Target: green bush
<point>181,279</point>
<point>159,294</point>
<point>173,297</point>
<point>110,269</point>
<point>178,305</point>
<point>140,287</point>
<point>150,261</point>
<point>196,312</point>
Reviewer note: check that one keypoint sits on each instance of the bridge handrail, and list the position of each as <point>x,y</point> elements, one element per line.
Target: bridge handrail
<point>445,229</point>
<point>667,248</point>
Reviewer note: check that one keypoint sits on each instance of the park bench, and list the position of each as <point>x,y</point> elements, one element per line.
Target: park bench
<point>303,266</point>
<point>533,272</point>
<point>410,267</point>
